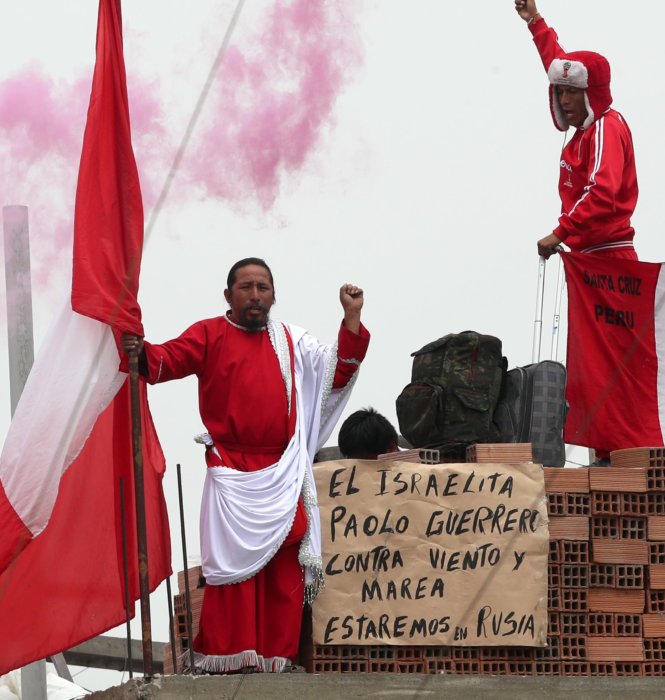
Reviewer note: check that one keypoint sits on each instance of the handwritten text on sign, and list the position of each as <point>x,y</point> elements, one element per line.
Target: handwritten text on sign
<point>432,554</point>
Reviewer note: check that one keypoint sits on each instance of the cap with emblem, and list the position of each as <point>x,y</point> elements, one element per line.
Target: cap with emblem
<point>585,70</point>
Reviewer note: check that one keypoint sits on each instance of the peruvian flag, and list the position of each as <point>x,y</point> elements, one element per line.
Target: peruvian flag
<point>68,453</point>
<point>616,337</point>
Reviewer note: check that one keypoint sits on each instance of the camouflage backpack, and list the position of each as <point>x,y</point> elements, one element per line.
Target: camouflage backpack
<point>454,389</point>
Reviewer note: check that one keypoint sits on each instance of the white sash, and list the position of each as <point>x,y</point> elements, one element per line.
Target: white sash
<point>246,516</point>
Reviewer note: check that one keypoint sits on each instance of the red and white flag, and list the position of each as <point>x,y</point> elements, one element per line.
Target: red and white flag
<point>68,452</point>
<point>616,352</point>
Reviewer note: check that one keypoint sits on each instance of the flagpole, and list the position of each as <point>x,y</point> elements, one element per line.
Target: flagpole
<point>141,532</point>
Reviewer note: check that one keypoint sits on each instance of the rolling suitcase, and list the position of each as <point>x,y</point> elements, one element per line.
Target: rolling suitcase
<point>532,406</point>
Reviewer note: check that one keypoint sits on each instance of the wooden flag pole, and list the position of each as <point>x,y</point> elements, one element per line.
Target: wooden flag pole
<point>141,533</point>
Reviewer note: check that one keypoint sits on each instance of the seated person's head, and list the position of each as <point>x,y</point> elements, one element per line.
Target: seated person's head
<point>366,434</point>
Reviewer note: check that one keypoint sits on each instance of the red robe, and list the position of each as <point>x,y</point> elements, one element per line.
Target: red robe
<point>243,405</point>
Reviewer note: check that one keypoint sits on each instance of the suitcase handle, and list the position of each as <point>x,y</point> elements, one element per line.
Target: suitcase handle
<point>560,284</point>
<point>538,322</point>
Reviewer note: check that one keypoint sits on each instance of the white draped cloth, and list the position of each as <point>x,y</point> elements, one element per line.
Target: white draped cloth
<point>246,516</point>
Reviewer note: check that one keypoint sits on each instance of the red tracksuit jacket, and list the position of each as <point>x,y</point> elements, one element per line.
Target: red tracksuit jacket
<point>598,182</point>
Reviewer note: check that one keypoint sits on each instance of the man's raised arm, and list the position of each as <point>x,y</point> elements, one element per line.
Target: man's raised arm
<point>527,10</point>
<point>544,37</point>
<point>353,338</point>
<point>352,299</point>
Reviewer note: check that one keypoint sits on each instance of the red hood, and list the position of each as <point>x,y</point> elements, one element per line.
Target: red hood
<point>581,69</point>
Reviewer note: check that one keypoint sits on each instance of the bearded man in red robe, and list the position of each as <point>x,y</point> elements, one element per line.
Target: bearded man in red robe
<point>269,396</point>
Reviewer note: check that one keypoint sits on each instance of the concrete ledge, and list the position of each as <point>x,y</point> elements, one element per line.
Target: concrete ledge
<point>302,686</point>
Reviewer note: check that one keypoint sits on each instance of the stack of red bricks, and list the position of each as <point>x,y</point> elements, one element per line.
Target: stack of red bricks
<point>181,635</point>
<point>606,575</point>
<point>622,630</point>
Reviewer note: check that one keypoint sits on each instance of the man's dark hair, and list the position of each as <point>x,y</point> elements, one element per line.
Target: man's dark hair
<point>230,280</point>
<point>366,434</point>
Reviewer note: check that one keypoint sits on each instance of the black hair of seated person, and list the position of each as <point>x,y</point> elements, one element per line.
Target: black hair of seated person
<point>366,434</point>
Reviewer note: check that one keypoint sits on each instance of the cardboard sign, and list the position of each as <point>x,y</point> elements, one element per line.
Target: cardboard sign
<point>415,554</point>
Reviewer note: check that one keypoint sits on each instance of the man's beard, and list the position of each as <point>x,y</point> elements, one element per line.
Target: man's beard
<point>255,324</point>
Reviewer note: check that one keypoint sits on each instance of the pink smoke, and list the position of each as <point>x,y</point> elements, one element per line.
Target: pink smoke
<point>273,98</point>
<point>40,114</point>
<point>41,133</point>
<point>270,104</point>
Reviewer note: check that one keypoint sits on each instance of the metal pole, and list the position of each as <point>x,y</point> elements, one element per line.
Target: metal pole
<point>166,187</point>
<point>538,323</point>
<point>188,600</point>
<point>58,661</point>
<point>19,299</point>
<point>139,495</point>
<point>171,629</point>
<point>125,567</point>
<point>21,356</point>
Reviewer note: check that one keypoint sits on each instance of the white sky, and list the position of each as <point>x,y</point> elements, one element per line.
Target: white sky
<point>430,189</point>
